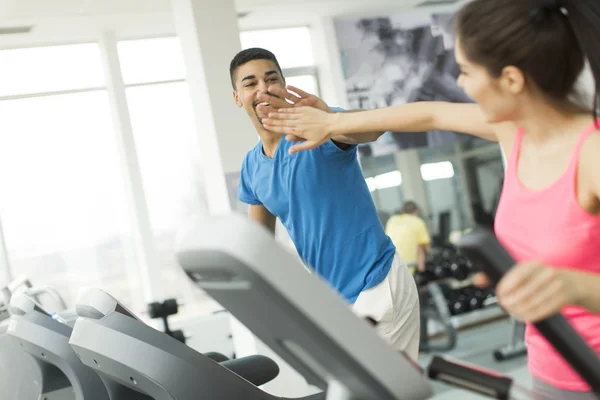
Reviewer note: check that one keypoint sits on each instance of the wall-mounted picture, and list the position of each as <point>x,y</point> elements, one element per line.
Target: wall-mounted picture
<point>400,59</point>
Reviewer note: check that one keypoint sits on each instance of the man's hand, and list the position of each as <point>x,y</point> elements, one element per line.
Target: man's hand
<point>289,97</point>
<point>303,123</point>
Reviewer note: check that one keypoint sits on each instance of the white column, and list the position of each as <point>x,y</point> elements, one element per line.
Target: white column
<point>210,38</point>
<point>329,63</point>
<point>143,237</point>
<point>6,275</point>
<point>413,186</point>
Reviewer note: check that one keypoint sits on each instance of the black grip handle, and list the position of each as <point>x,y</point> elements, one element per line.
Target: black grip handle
<point>256,369</point>
<point>484,251</point>
<point>472,378</point>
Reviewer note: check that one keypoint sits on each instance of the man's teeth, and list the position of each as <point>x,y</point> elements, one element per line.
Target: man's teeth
<point>264,103</point>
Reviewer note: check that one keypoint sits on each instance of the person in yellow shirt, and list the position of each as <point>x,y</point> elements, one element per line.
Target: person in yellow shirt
<point>410,236</point>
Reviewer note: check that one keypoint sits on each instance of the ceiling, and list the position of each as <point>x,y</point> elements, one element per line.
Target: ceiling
<point>60,21</point>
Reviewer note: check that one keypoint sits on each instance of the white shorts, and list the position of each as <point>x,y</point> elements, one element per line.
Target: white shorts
<point>394,305</point>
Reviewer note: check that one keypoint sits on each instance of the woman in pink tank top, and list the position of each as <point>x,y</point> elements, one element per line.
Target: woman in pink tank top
<point>520,61</point>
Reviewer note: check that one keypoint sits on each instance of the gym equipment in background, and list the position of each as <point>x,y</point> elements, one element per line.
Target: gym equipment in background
<point>294,313</point>
<point>22,376</point>
<point>516,346</point>
<point>163,311</point>
<point>46,339</point>
<point>23,285</point>
<point>434,307</point>
<point>161,367</point>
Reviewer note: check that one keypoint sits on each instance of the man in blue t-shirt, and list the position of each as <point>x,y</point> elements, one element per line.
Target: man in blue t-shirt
<point>323,201</point>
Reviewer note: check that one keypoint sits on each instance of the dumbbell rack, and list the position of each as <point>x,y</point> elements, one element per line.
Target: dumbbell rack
<point>489,311</point>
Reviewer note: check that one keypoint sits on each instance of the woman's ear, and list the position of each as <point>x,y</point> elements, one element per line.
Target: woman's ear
<point>512,80</point>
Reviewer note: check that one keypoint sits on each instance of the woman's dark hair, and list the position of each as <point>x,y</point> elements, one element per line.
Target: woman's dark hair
<point>549,40</point>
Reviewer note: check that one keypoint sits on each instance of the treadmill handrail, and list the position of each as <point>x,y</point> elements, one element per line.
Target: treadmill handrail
<point>94,303</point>
<point>266,287</point>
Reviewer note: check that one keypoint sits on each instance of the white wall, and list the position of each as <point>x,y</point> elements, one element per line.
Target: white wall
<point>388,200</point>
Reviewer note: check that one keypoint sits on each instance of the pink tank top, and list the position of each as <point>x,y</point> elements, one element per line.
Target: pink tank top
<point>549,226</point>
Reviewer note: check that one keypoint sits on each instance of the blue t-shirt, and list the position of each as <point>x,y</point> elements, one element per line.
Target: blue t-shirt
<point>322,199</point>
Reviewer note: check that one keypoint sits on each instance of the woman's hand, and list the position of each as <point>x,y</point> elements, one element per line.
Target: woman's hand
<point>312,125</point>
<point>533,291</point>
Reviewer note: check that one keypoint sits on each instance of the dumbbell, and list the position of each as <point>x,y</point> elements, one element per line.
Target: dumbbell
<point>448,253</point>
<point>164,310</point>
<point>456,301</point>
<point>460,268</point>
<point>459,302</point>
<point>475,297</point>
<point>441,270</point>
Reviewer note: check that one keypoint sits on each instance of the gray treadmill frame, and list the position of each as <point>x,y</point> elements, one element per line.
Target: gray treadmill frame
<point>47,341</point>
<point>111,340</point>
<point>240,265</point>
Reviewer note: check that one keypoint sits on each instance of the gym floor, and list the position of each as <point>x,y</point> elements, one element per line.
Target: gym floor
<point>476,346</point>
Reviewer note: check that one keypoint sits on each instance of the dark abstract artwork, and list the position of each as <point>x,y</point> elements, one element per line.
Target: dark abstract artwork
<point>396,60</point>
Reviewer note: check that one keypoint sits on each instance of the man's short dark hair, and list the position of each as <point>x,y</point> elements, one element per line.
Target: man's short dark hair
<point>248,55</point>
<point>409,207</point>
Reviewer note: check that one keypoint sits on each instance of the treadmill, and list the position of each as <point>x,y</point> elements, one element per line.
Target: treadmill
<point>21,377</point>
<point>112,341</point>
<point>45,338</point>
<point>240,265</point>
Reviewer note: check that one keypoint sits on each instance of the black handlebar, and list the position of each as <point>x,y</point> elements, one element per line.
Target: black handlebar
<point>256,369</point>
<point>486,254</point>
<point>471,378</point>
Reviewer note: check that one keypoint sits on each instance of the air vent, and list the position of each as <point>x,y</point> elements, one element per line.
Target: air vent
<point>14,30</point>
<point>433,3</point>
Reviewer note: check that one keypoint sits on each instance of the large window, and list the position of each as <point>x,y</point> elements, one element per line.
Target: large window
<point>61,195</point>
<point>168,149</point>
<point>151,60</point>
<point>62,198</point>
<point>291,46</point>
<point>297,60</point>
<point>49,69</point>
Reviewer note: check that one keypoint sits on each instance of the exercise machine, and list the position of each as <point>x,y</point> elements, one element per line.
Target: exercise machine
<point>434,307</point>
<point>46,338</point>
<point>487,254</point>
<point>299,317</point>
<point>162,310</point>
<point>20,375</point>
<point>23,285</point>
<point>161,367</point>
<point>516,346</point>
<point>294,313</point>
